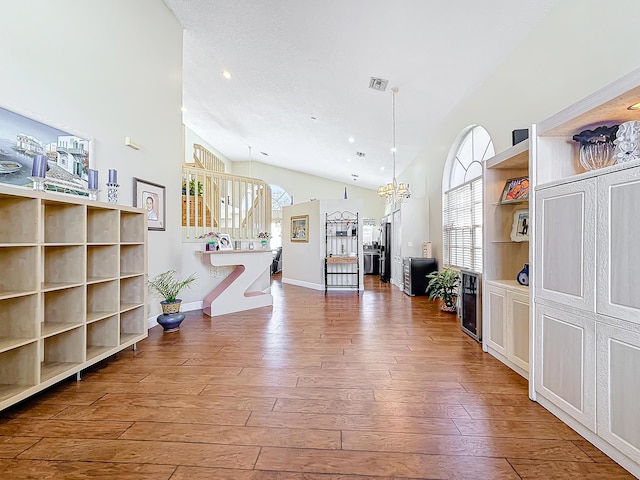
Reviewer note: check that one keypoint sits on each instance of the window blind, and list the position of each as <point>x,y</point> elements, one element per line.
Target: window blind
<point>462,226</point>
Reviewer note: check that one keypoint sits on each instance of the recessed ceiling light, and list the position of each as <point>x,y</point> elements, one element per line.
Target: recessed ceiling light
<point>348,159</point>
<point>393,149</point>
<point>183,109</point>
<point>313,118</point>
<point>226,74</point>
<point>265,154</point>
<point>381,168</point>
<point>635,106</point>
<point>351,139</point>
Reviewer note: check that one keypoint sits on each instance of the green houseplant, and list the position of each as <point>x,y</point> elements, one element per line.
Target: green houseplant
<point>168,287</point>
<point>444,286</point>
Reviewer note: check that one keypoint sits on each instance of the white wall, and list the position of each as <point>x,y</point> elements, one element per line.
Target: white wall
<point>301,261</point>
<point>104,70</point>
<point>579,48</point>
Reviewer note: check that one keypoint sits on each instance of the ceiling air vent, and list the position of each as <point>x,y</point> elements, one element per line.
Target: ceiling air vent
<point>378,84</point>
<point>360,154</point>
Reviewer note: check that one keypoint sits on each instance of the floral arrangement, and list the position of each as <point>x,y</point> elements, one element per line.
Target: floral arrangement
<point>264,235</point>
<point>210,236</point>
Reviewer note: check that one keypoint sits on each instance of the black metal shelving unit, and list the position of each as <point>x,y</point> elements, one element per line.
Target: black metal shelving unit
<point>342,259</point>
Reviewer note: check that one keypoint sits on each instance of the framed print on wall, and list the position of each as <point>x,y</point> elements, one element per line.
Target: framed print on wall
<point>300,228</point>
<point>151,197</point>
<point>515,190</point>
<point>64,158</point>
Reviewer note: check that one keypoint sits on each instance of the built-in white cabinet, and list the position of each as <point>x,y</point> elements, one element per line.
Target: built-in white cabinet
<point>586,304</point>
<point>73,286</point>
<point>565,244</point>
<point>618,259</point>
<point>618,364</point>
<point>505,333</point>
<point>507,336</point>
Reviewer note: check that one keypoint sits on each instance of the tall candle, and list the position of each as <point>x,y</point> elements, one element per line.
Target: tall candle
<point>93,179</point>
<point>39,168</point>
<point>113,176</point>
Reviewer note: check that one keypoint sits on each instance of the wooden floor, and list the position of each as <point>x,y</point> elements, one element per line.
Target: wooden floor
<point>336,387</point>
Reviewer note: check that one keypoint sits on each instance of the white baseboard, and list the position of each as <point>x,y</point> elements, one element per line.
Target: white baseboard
<point>298,283</point>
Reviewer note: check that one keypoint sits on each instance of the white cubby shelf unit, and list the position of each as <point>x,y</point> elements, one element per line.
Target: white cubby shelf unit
<point>72,291</point>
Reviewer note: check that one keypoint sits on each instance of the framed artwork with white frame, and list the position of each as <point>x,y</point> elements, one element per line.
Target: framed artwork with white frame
<point>225,241</point>
<point>520,227</point>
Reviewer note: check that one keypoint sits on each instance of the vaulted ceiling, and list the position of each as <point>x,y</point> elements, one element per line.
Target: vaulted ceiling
<point>301,69</point>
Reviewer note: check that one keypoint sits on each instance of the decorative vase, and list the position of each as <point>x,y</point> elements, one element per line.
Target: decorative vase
<point>627,142</point>
<point>523,276</point>
<point>170,321</point>
<point>448,308</point>
<point>596,147</point>
<point>170,307</point>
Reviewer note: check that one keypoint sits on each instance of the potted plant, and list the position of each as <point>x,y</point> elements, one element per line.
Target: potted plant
<point>444,286</point>
<point>168,287</point>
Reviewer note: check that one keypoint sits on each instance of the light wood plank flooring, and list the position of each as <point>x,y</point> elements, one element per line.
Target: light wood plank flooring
<point>339,387</point>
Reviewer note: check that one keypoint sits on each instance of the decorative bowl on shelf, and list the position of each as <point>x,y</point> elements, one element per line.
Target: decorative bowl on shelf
<point>627,142</point>
<point>597,147</point>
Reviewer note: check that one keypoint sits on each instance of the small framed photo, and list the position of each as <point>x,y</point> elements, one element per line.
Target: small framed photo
<point>151,197</point>
<point>225,242</point>
<point>515,190</point>
<point>520,228</point>
<point>300,228</point>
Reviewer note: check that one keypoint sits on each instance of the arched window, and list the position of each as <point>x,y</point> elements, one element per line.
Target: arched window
<point>279,199</point>
<point>462,199</point>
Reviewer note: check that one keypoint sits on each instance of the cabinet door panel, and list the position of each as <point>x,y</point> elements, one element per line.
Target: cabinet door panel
<point>565,362</point>
<point>565,244</point>
<point>495,332</point>
<point>518,329</point>
<point>618,233</point>
<point>619,388</point>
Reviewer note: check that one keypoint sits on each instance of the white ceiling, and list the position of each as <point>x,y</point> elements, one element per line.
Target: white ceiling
<point>291,60</point>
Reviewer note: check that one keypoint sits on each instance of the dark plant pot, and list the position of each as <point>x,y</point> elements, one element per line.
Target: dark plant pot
<point>170,307</point>
<point>170,321</point>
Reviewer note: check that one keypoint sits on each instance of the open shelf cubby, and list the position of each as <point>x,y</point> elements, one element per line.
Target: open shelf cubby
<point>62,353</point>
<point>64,222</point>
<point>102,225</point>
<point>26,209</point>
<point>19,321</point>
<point>132,325</point>
<point>132,260</point>
<point>19,371</point>
<point>64,266</point>
<point>63,310</point>
<point>102,336</point>
<point>18,270</point>
<point>132,227</point>
<point>132,291</point>
<point>102,262</point>
<point>102,300</point>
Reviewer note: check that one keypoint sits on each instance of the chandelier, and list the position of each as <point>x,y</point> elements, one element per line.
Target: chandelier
<point>394,192</point>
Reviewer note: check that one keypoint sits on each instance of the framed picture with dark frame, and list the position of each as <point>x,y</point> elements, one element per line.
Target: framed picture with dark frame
<point>151,197</point>
<point>515,190</point>
<point>299,228</point>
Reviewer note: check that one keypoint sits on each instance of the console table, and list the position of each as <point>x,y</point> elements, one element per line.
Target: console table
<point>245,288</point>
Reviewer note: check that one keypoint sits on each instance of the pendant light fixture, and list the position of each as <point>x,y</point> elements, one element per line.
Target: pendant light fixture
<point>394,192</point>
